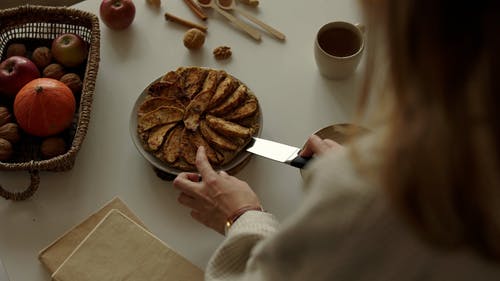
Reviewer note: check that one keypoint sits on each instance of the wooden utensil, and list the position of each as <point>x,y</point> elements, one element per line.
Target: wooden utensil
<point>231,5</point>
<point>254,33</point>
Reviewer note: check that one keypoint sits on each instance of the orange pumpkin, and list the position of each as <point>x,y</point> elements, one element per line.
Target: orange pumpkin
<point>44,107</point>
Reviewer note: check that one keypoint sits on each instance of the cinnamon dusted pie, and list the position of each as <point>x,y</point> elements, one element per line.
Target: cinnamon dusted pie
<point>192,107</point>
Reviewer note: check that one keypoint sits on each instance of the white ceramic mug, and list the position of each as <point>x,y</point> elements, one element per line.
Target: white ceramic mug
<point>338,49</point>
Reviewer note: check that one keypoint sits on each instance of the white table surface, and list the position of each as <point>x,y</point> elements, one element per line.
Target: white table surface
<point>295,99</point>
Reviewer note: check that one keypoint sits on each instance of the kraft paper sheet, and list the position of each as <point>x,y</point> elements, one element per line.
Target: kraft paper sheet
<point>120,249</point>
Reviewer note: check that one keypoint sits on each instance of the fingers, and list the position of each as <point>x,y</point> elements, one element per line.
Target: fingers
<point>204,167</point>
<point>187,200</point>
<point>185,183</point>
<point>316,146</point>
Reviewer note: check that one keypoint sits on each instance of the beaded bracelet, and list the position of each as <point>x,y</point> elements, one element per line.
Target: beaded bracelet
<point>231,219</point>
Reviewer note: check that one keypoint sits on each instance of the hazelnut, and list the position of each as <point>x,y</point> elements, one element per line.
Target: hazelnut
<point>10,132</point>
<point>73,81</point>
<point>194,38</point>
<point>6,150</point>
<point>41,57</point>
<point>222,52</point>
<point>52,147</point>
<point>5,116</point>
<point>16,49</point>
<point>54,70</point>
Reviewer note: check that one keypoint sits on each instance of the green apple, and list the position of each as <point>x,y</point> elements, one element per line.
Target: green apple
<point>69,49</point>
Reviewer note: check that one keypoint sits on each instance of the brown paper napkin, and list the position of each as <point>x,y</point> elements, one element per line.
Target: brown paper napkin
<point>54,254</point>
<point>120,249</point>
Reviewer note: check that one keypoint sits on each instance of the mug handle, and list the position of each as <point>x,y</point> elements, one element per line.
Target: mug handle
<point>361,27</point>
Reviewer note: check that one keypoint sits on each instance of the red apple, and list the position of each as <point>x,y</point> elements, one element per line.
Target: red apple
<point>69,49</point>
<point>15,72</point>
<point>117,14</point>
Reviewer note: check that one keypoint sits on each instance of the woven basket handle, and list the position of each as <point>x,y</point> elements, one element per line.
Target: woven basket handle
<point>23,195</point>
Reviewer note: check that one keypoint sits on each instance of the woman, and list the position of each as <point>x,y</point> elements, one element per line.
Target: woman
<point>418,199</point>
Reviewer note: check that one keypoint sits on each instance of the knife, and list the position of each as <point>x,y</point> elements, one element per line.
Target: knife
<point>277,151</point>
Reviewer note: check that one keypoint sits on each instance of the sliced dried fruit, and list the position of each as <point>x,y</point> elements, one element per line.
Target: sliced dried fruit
<point>195,108</point>
<point>214,138</point>
<point>231,102</point>
<point>228,128</point>
<point>171,149</point>
<point>248,109</point>
<point>160,116</point>
<point>224,89</point>
<point>154,103</point>
<point>157,136</point>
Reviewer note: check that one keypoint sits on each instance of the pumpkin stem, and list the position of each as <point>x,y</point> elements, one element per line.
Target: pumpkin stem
<point>38,89</point>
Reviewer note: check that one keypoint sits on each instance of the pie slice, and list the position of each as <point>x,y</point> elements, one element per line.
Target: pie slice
<point>188,151</point>
<point>195,108</point>
<point>157,136</point>
<point>213,79</point>
<point>248,109</point>
<point>194,78</point>
<point>214,138</point>
<point>231,102</point>
<point>213,156</point>
<point>160,116</point>
<point>224,89</point>
<point>154,103</point>
<point>228,128</point>
<point>171,148</point>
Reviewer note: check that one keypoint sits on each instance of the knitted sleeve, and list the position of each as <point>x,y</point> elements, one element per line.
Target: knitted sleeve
<point>230,260</point>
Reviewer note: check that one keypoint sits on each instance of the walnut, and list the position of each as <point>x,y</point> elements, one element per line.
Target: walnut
<point>5,116</point>
<point>16,49</point>
<point>41,57</point>
<point>10,132</point>
<point>222,52</point>
<point>73,81</point>
<point>194,38</point>
<point>54,70</point>
<point>6,150</point>
<point>52,147</point>
<point>154,3</point>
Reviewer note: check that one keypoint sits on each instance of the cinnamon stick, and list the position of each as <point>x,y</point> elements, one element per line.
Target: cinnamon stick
<point>184,22</point>
<point>196,9</point>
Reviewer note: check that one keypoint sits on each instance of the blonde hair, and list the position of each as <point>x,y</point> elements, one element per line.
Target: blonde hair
<point>442,155</point>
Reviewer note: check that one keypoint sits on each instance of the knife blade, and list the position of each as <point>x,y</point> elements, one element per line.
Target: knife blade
<point>277,151</point>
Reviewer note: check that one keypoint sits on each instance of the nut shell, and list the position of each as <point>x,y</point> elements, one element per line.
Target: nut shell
<point>6,150</point>
<point>10,132</point>
<point>41,57</point>
<point>16,49</point>
<point>54,71</point>
<point>194,38</point>
<point>73,81</point>
<point>52,147</point>
<point>5,116</point>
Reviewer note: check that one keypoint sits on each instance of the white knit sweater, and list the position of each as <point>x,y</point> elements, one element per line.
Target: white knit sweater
<point>343,230</point>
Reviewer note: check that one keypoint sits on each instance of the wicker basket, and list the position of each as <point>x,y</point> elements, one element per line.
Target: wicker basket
<point>36,26</point>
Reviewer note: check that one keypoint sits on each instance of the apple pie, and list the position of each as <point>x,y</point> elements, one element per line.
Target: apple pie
<point>192,107</point>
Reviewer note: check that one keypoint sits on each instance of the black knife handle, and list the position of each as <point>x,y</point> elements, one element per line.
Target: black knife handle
<point>300,162</point>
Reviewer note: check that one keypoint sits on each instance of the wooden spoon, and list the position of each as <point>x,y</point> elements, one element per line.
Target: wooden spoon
<point>238,23</point>
<point>231,5</point>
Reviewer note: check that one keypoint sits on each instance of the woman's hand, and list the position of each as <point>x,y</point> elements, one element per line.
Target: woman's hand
<point>317,146</point>
<point>213,196</point>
